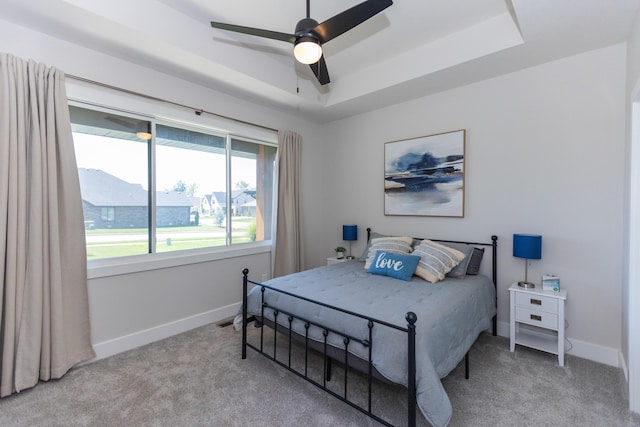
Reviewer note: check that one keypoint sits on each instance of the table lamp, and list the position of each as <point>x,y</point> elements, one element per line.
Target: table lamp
<point>349,233</point>
<point>528,246</point>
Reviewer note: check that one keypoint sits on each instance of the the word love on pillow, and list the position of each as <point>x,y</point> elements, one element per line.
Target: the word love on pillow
<point>383,262</point>
<point>398,266</point>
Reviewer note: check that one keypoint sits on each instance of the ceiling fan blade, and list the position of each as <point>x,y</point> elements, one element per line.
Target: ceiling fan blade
<point>320,71</point>
<point>350,18</point>
<point>275,35</point>
<point>131,125</point>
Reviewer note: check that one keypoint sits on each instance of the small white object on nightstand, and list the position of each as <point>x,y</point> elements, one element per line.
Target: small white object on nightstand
<point>537,307</point>
<point>334,260</point>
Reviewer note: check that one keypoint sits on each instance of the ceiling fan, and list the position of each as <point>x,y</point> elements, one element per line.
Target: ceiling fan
<point>309,36</point>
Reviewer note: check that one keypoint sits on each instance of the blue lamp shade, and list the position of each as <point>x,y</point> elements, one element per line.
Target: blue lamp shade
<point>349,232</point>
<point>527,246</point>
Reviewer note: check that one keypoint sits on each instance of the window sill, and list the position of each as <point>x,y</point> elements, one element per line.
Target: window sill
<point>138,263</point>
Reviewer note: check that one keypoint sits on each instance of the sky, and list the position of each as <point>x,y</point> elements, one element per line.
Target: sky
<point>128,159</point>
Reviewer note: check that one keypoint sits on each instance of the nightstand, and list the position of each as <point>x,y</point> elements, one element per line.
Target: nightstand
<point>543,309</point>
<point>334,260</point>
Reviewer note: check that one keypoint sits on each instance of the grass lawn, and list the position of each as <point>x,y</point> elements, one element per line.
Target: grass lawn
<point>105,243</point>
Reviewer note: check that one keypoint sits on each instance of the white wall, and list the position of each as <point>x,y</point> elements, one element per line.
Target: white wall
<point>544,154</point>
<point>128,310</point>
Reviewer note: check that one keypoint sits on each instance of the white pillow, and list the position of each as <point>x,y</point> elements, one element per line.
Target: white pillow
<point>436,260</point>
<point>396,245</point>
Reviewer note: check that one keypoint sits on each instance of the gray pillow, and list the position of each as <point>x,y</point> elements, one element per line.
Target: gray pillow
<point>460,270</point>
<point>474,263</point>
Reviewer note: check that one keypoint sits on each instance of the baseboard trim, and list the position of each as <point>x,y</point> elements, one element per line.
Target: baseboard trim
<point>147,336</point>
<point>594,352</point>
<point>597,353</point>
<point>625,369</point>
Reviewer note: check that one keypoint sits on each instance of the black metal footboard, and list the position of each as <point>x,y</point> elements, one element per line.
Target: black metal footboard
<point>346,339</point>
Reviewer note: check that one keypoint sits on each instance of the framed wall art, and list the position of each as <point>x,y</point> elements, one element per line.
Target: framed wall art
<point>425,176</point>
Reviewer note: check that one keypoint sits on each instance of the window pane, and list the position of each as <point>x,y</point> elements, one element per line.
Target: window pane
<point>112,165</point>
<point>252,170</point>
<point>191,176</point>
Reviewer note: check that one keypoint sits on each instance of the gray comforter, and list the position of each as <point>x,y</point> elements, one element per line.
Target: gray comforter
<point>451,315</point>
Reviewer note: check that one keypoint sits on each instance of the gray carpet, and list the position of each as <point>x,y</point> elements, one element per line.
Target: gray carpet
<point>198,379</point>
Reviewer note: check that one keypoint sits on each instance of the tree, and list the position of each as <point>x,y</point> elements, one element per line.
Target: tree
<point>219,217</point>
<point>180,186</point>
<point>242,185</point>
<point>191,189</point>
<point>188,189</point>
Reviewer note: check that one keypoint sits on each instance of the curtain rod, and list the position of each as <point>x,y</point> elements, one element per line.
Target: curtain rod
<point>197,111</point>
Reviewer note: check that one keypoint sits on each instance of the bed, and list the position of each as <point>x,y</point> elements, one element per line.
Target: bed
<point>411,333</point>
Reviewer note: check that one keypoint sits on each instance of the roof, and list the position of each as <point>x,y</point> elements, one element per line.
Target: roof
<point>100,188</point>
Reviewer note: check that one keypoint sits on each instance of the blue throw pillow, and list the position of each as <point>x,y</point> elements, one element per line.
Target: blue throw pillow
<point>398,266</point>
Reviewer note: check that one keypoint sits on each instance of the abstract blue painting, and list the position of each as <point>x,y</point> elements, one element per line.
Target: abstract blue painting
<point>425,176</point>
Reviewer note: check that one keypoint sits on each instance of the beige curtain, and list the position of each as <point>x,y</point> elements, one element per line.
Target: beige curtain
<point>288,257</point>
<point>44,317</point>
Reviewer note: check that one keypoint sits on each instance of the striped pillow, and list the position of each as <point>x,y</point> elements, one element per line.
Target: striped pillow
<point>436,260</point>
<point>396,245</point>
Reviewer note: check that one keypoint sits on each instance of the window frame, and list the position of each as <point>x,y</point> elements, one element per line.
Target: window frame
<point>174,117</point>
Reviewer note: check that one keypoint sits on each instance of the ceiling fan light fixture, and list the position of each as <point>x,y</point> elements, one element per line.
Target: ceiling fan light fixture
<point>307,50</point>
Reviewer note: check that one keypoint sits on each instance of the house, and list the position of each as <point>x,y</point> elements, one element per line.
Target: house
<point>218,201</point>
<point>205,205</point>
<point>551,148</point>
<point>110,202</point>
<point>243,202</point>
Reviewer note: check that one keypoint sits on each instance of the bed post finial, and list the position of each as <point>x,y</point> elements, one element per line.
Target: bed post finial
<point>411,318</point>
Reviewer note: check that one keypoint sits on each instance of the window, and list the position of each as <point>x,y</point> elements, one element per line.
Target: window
<point>107,215</point>
<point>150,186</point>
<point>252,191</point>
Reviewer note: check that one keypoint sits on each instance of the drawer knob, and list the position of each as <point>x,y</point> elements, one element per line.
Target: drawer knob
<point>535,301</point>
<point>536,317</point>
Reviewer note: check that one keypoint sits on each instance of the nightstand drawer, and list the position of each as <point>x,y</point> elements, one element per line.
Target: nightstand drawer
<point>537,318</point>
<point>537,302</point>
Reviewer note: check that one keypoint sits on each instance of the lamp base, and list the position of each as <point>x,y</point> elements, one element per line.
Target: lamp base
<point>526,284</point>
<point>350,257</point>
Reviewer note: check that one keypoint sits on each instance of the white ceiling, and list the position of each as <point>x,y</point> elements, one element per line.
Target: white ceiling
<point>411,49</point>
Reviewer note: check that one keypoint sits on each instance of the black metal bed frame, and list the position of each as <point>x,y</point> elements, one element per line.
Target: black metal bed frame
<point>410,330</point>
